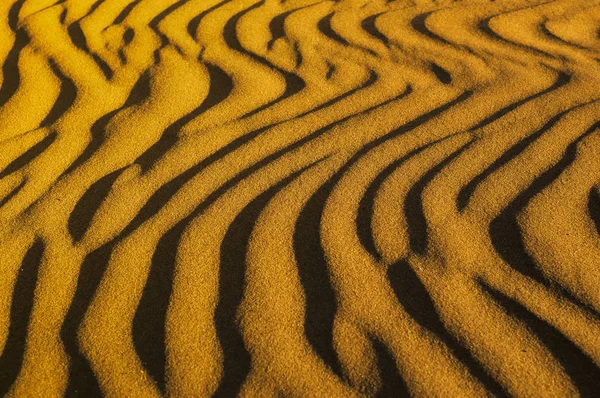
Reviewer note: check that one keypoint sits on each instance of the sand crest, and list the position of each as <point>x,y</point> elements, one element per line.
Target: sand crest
<point>299,198</point>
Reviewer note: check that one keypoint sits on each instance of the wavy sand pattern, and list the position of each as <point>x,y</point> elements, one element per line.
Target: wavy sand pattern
<point>299,198</point>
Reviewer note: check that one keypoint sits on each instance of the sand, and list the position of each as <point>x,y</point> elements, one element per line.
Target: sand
<point>299,198</point>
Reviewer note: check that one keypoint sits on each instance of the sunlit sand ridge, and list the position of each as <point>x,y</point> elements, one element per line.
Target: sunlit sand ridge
<point>299,198</point>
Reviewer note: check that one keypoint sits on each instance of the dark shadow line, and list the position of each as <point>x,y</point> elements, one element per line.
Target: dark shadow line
<point>12,193</point>
<point>293,83</point>
<point>122,56</point>
<point>369,26</point>
<point>593,207</point>
<point>104,67</point>
<point>153,24</point>
<point>419,24</point>
<point>416,300</point>
<point>78,39</point>
<point>85,209</point>
<point>192,26</point>
<point>220,87</point>
<point>584,373</point>
<point>13,15</point>
<point>63,15</point>
<point>373,77</point>
<point>506,236</point>
<point>94,7</point>
<point>364,218</point>
<point>29,155</point>
<point>66,97</point>
<point>236,358</point>
<point>413,204</point>
<point>299,56</point>
<point>442,74</point>
<point>484,26</point>
<point>320,300</point>
<point>149,323</point>
<point>324,26</point>
<point>128,36</point>
<point>277,29</point>
<point>82,381</point>
<point>12,357</point>
<point>330,71</point>
<point>125,12</point>
<point>276,26</point>
<point>419,120</point>
<point>139,93</point>
<point>392,383</point>
<point>466,192</point>
<point>11,78</point>
<point>562,79</point>
<point>97,131</point>
<point>148,328</point>
<point>544,30</point>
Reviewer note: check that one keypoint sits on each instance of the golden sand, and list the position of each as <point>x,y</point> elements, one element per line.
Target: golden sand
<point>299,198</point>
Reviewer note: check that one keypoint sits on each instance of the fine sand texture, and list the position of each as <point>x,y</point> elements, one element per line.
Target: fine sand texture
<point>299,198</point>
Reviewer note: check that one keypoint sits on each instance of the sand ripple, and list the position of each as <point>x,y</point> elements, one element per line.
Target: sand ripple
<point>299,198</point>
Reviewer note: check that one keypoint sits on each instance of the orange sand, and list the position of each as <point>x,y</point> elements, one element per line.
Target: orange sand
<point>299,198</point>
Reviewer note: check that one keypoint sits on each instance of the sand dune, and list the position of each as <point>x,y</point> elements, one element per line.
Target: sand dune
<point>299,198</point>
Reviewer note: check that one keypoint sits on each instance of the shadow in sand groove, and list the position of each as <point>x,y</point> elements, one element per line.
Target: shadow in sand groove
<point>293,83</point>
<point>369,26</point>
<point>66,97</point>
<point>364,217</point>
<point>414,297</point>
<point>10,70</point>
<point>408,107</point>
<point>29,155</point>
<point>594,207</point>
<point>149,321</point>
<point>85,209</point>
<point>584,373</point>
<point>79,40</point>
<point>462,200</point>
<point>419,24</point>
<point>321,303</point>
<point>413,204</point>
<point>324,26</point>
<point>220,87</point>
<point>82,381</point>
<point>562,80</point>
<point>138,94</point>
<point>236,359</point>
<point>506,234</point>
<point>11,359</point>
<point>12,193</point>
<point>392,383</point>
<point>149,328</point>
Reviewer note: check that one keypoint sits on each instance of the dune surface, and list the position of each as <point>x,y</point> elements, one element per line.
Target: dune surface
<point>320,198</point>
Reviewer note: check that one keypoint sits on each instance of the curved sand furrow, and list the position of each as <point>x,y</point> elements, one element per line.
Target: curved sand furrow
<point>301,197</point>
<point>147,227</point>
